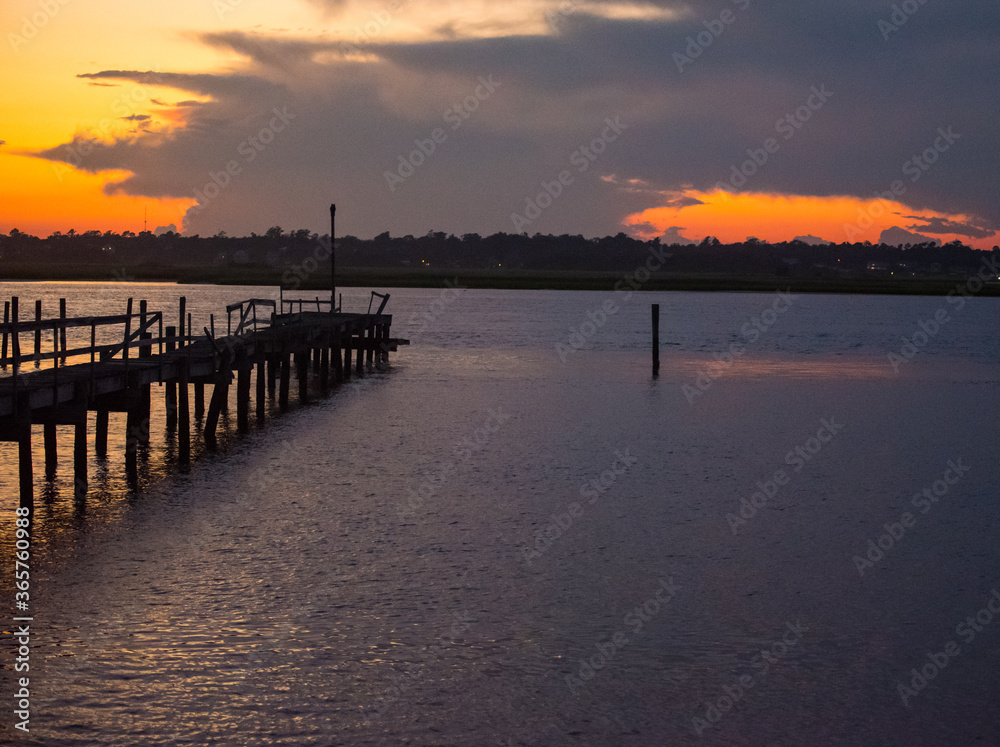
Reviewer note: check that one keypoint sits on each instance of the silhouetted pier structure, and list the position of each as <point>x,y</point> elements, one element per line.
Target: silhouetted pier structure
<point>262,337</point>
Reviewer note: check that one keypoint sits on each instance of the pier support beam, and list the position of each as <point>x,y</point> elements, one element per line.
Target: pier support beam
<point>370,345</point>
<point>243,397</point>
<point>302,369</point>
<point>286,374</point>
<point>101,433</point>
<point>25,474</point>
<point>272,374</point>
<point>51,456</point>
<point>80,458</point>
<point>359,343</point>
<point>183,417</point>
<point>324,370</point>
<point>338,358</point>
<point>261,398</point>
<point>145,351</point>
<point>220,396</point>
<point>348,340</point>
<point>199,400</point>
<point>170,396</point>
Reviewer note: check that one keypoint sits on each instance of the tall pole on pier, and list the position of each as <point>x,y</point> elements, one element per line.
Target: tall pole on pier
<point>333,262</point>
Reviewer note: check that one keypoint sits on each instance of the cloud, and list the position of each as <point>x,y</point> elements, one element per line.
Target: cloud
<point>899,236</point>
<point>673,236</point>
<point>812,240</point>
<point>160,230</point>
<point>943,225</point>
<point>3,142</point>
<point>360,115</point>
<point>136,118</point>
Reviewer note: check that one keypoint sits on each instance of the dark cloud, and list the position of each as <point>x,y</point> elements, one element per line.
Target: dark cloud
<point>898,236</point>
<point>282,54</point>
<point>355,119</point>
<point>943,225</point>
<point>137,118</point>
<point>673,236</point>
<point>222,86</point>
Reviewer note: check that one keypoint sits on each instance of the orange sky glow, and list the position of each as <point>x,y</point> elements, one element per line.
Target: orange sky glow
<point>734,217</point>
<point>46,104</point>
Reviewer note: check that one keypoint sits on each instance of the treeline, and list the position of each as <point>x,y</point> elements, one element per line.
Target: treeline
<point>282,251</point>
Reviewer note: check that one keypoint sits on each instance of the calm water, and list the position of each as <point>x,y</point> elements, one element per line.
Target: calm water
<point>488,545</point>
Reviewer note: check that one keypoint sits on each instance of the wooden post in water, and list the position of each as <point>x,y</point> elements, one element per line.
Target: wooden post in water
<point>80,456</point>
<point>145,351</point>
<point>243,396</point>
<point>286,374</point>
<point>49,431</point>
<point>348,340</point>
<point>220,395</point>
<point>324,370</point>
<point>338,357</point>
<point>101,433</point>
<point>261,398</point>
<point>183,305</point>
<point>15,335</point>
<point>62,327</point>
<point>25,474</point>
<point>184,414</point>
<point>271,361</point>
<point>656,339</point>
<point>359,363</point>
<point>199,400</point>
<point>383,347</point>
<point>333,261</point>
<point>302,369</point>
<point>6,320</point>
<point>38,332</point>
<point>171,393</point>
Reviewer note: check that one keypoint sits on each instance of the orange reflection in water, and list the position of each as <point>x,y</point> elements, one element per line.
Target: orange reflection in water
<point>752,368</point>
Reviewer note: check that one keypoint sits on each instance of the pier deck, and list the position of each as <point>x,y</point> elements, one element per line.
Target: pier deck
<point>118,377</point>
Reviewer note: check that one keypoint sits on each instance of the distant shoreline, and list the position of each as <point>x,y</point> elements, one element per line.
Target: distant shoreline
<point>497,279</point>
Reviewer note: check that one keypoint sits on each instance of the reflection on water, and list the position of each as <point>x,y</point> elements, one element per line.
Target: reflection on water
<point>273,593</point>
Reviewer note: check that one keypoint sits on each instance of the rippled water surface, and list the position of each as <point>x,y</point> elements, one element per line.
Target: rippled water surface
<point>490,545</point>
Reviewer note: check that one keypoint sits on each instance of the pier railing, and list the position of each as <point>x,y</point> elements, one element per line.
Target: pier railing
<point>143,331</point>
<point>248,319</point>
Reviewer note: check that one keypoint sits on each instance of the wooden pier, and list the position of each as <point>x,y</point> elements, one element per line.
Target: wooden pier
<point>263,338</point>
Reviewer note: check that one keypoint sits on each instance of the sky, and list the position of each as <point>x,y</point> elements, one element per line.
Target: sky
<point>674,119</point>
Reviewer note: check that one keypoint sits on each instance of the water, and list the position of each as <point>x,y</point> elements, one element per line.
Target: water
<point>369,570</point>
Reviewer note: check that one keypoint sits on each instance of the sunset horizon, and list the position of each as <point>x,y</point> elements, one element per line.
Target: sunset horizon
<point>417,118</point>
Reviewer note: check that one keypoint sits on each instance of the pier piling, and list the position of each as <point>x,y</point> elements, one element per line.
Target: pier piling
<point>49,440</point>
<point>183,416</point>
